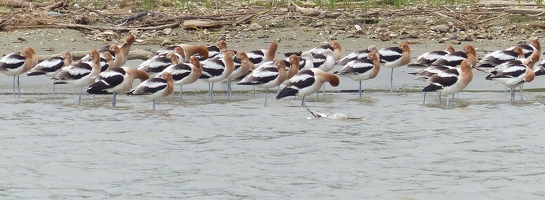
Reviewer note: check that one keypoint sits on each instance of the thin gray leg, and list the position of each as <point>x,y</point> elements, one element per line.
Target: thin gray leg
<point>114,95</point>
<point>180,93</point>
<point>323,89</point>
<point>53,87</point>
<point>392,81</point>
<point>13,86</point>
<point>211,91</point>
<point>521,90</point>
<point>361,91</point>
<point>266,94</point>
<point>512,96</point>
<point>424,97</point>
<point>229,88</point>
<point>79,97</point>
<point>18,87</point>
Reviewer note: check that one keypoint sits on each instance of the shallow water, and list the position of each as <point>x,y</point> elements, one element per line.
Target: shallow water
<point>391,146</point>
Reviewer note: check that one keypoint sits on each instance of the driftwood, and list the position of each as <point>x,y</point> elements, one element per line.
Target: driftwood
<point>493,18</point>
<point>22,4</point>
<point>305,11</point>
<point>25,4</point>
<point>76,55</point>
<point>500,3</point>
<point>442,15</point>
<point>249,17</point>
<point>131,18</point>
<point>200,23</point>
<point>536,12</point>
<point>117,28</point>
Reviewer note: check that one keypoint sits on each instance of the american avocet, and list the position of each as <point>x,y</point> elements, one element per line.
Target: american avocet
<point>498,57</point>
<point>263,55</point>
<point>270,74</point>
<point>155,88</point>
<point>540,69</point>
<point>426,59</point>
<point>185,73</point>
<point>308,61</point>
<point>113,49</point>
<point>449,61</point>
<point>323,60</point>
<point>393,57</point>
<point>528,49</point>
<point>334,45</point>
<point>80,74</point>
<point>454,59</point>
<point>215,50</point>
<point>362,69</point>
<point>451,81</point>
<point>160,62</point>
<point>294,65</point>
<point>104,65</point>
<point>217,69</point>
<point>361,54</point>
<point>241,70</point>
<point>124,50</point>
<point>109,59</point>
<point>193,50</point>
<point>116,81</point>
<point>15,64</point>
<point>514,73</point>
<point>51,66</point>
<point>307,82</point>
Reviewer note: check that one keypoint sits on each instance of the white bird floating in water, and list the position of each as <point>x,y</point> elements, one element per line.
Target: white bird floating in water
<point>322,115</point>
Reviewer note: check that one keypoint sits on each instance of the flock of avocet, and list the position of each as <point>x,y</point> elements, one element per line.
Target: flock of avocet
<point>300,74</point>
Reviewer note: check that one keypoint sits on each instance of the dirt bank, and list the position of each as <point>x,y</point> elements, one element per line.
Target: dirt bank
<point>238,21</point>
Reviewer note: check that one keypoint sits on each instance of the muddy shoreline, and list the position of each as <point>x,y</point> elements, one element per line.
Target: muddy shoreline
<point>295,32</point>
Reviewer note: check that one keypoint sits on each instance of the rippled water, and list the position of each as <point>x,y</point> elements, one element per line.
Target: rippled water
<point>391,146</point>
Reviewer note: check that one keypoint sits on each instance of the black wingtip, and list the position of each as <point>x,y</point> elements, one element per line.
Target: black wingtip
<point>431,88</point>
<point>416,65</point>
<point>288,54</point>
<point>35,73</point>
<point>246,83</point>
<point>286,92</point>
<point>96,90</point>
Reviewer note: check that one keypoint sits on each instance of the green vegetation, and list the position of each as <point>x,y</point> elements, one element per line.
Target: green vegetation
<point>539,3</point>
<point>148,4</point>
